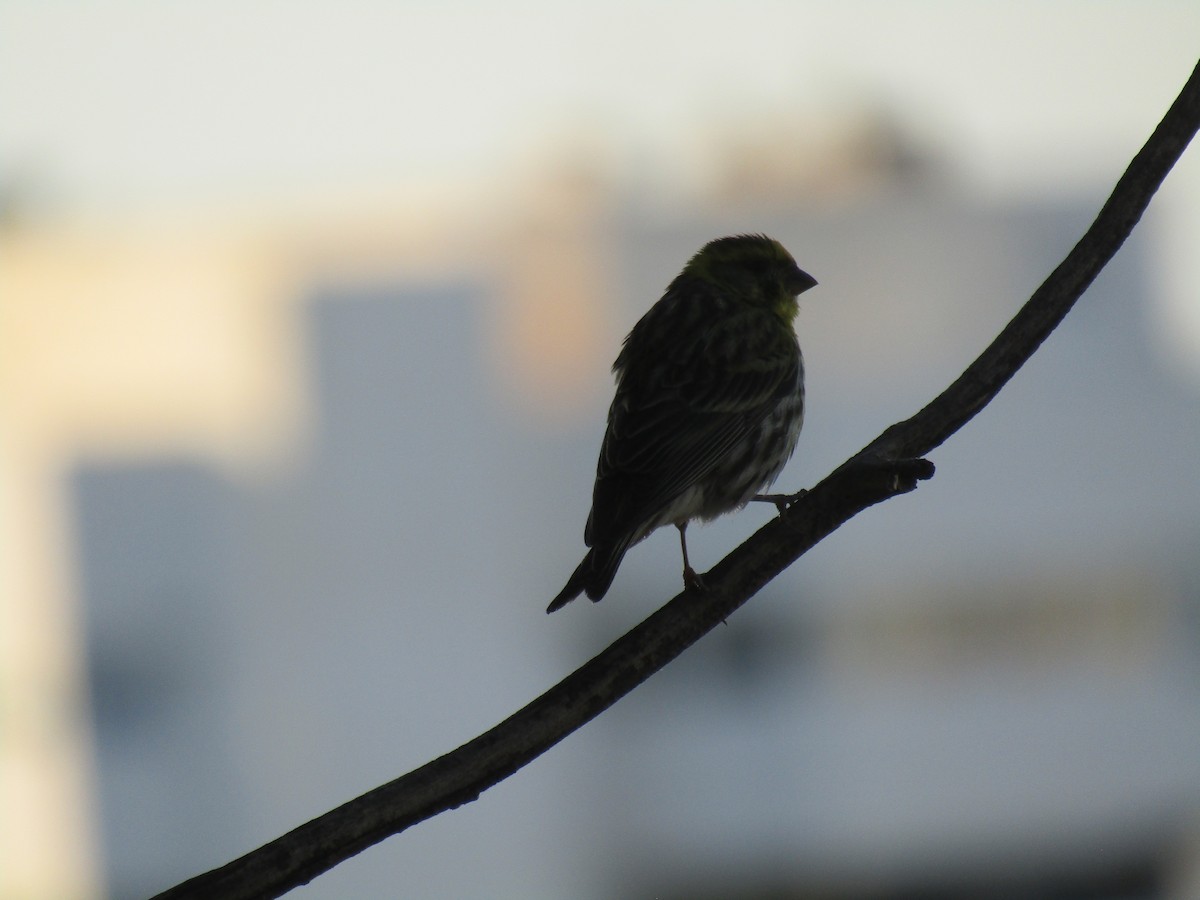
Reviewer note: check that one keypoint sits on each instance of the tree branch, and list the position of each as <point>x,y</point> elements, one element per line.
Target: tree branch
<point>884,468</point>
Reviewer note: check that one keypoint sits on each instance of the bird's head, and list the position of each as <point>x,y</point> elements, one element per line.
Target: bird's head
<point>756,268</point>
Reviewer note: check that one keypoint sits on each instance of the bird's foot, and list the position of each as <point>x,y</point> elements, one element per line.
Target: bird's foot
<point>781,501</point>
<point>692,580</point>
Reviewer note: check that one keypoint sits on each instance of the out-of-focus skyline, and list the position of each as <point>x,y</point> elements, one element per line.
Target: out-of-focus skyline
<point>211,212</point>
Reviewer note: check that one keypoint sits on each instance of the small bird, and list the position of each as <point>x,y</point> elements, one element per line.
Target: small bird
<point>708,406</point>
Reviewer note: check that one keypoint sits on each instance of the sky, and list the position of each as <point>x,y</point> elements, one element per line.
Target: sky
<point>140,105</point>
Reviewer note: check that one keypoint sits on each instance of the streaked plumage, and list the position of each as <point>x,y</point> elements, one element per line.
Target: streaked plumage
<point>708,406</point>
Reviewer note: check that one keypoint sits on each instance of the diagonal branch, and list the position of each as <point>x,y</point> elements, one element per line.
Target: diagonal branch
<point>886,467</point>
<point>1050,303</point>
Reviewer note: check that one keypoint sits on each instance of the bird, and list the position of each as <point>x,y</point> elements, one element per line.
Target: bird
<point>708,406</point>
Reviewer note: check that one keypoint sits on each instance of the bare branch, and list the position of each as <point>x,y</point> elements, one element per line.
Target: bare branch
<point>886,467</point>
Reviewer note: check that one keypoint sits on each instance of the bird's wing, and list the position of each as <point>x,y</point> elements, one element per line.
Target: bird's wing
<point>673,420</point>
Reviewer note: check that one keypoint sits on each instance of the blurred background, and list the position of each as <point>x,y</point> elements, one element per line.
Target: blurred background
<point>306,315</point>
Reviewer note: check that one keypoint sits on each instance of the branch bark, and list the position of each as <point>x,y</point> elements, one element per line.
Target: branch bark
<point>888,466</point>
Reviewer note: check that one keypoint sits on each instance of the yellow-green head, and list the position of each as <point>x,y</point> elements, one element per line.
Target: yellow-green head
<point>755,268</point>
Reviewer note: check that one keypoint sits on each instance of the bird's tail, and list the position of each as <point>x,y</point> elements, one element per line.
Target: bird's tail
<point>593,576</point>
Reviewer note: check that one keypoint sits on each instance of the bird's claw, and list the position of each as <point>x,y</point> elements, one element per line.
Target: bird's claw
<point>782,501</point>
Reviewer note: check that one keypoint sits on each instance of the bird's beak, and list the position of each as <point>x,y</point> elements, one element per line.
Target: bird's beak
<point>801,282</point>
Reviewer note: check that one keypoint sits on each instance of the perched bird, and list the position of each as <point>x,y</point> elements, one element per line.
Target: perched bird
<point>709,403</point>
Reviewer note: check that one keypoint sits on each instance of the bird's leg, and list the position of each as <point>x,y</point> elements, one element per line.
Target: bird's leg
<point>690,578</point>
<point>781,501</point>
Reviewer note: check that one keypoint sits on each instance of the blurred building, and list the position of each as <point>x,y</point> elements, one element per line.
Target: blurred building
<point>318,507</point>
